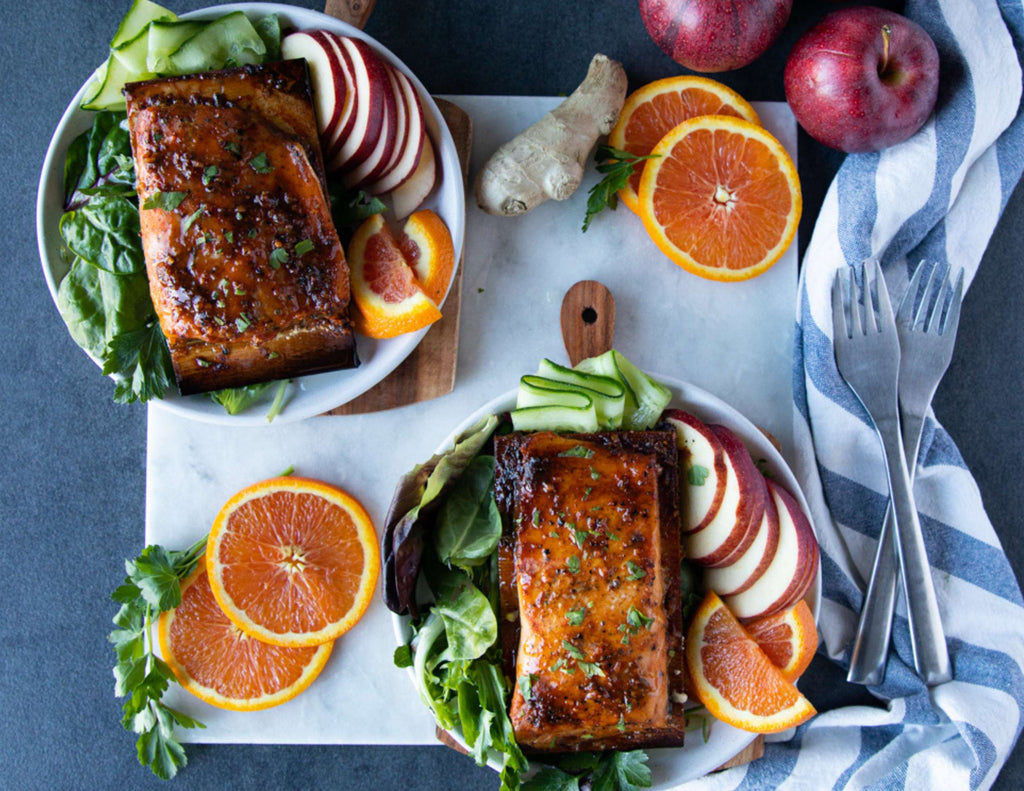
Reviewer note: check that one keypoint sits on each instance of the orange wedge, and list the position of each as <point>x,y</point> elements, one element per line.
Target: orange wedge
<point>734,678</point>
<point>215,661</point>
<point>388,300</point>
<point>652,111</point>
<point>428,249</point>
<point>722,199</point>
<point>789,639</point>
<point>293,561</point>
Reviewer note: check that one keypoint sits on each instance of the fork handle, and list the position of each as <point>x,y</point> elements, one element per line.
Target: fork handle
<point>927,638</point>
<point>871,645</point>
<point>874,630</point>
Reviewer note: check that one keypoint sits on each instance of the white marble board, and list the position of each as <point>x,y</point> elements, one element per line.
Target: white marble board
<point>733,339</point>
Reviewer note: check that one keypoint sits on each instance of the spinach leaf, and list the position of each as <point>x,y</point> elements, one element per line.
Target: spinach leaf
<point>106,233</point>
<point>468,525</point>
<point>99,162</point>
<point>416,498</point>
<point>469,622</point>
<point>235,399</point>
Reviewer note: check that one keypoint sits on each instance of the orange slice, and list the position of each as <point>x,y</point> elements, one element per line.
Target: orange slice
<point>652,111</point>
<point>217,662</point>
<point>722,199</point>
<point>428,249</point>
<point>734,678</point>
<point>293,561</point>
<point>388,300</point>
<point>789,639</point>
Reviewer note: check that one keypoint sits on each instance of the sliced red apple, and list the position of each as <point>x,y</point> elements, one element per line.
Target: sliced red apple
<point>371,168</point>
<point>345,85</point>
<point>410,194</point>
<point>733,528</point>
<point>792,570</point>
<point>746,569</point>
<point>702,469</point>
<point>400,132</point>
<point>372,93</point>
<point>412,148</point>
<point>325,74</point>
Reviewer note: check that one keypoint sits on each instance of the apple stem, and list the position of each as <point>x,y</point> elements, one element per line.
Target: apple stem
<point>886,36</point>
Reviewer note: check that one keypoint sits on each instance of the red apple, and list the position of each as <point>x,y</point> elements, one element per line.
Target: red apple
<point>702,469</point>
<point>746,569</point>
<point>372,94</point>
<point>411,148</point>
<point>714,35</point>
<point>863,79</point>
<point>791,572</point>
<point>734,527</point>
<point>413,191</point>
<point>325,74</point>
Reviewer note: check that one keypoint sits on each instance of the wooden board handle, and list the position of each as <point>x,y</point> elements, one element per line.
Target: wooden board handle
<point>355,12</point>
<point>588,320</point>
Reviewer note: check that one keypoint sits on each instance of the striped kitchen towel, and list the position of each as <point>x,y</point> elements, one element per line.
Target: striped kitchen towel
<point>936,197</point>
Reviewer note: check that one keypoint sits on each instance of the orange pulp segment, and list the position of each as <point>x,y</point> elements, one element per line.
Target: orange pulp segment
<point>428,249</point>
<point>788,638</point>
<point>388,300</point>
<point>218,663</point>
<point>650,112</point>
<point>722,199</point>
<point>734,678</point>
<point>293,561</point>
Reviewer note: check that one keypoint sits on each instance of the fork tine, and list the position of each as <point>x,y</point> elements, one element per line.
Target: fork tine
<point>855,305</point>
<point>838,309</point>
<point>905,313</point>
<point>884,318</point>
<point>952,321</point>
<point>943,289</point>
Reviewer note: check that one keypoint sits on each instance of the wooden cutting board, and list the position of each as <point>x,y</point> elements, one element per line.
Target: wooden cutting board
<point>429,371</point>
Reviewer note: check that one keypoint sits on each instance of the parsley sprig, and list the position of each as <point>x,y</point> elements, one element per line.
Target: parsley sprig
<point>153,585</point>
<point>617,166</point>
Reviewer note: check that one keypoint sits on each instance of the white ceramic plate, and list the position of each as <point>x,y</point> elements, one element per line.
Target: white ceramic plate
<point>309,395</point>
<point>671,766</point>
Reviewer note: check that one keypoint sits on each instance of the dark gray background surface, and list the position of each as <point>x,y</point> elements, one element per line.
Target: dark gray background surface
<point>73,491</point>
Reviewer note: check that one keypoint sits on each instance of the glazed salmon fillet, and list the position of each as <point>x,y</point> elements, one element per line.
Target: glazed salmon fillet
<point>246,271</point>
<point>592,548</point>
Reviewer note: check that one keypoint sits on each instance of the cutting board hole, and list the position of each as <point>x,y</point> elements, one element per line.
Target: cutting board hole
<point>589,315</point>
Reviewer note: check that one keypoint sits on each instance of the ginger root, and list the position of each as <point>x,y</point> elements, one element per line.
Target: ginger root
<point>547,159</point>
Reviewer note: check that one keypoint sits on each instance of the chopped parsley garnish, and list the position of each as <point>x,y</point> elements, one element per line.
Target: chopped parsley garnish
<point>579,452</point>
<point>637,619</point>
<point>594,474</point>
<point>636,571</point>
<point>229,236</point>
<point>572,650</point>
<point>536,517</point>
<point>239,291</point>
<point>209,174</point>
<point>253,233</point>
<point>261,164</point>
<point>303,247</point>
<point>168,201</point>
<point>526,685</point>
<point>278,256</point>
<point>233,147</point>
<point>575,617</point>
<point>590,669</point>
<point>242,323</point>
<point>697,474</point>
<point>587,491</point>
<point>578,536</point>
<point>573,564</point>
<point>189,221</point>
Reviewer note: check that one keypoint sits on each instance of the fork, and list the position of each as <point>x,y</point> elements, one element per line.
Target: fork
<point>868,357</point>
<point>926,342</point>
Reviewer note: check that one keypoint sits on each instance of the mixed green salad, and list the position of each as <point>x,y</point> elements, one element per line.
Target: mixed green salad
<point>104,298</point>
<point>441,569</point>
